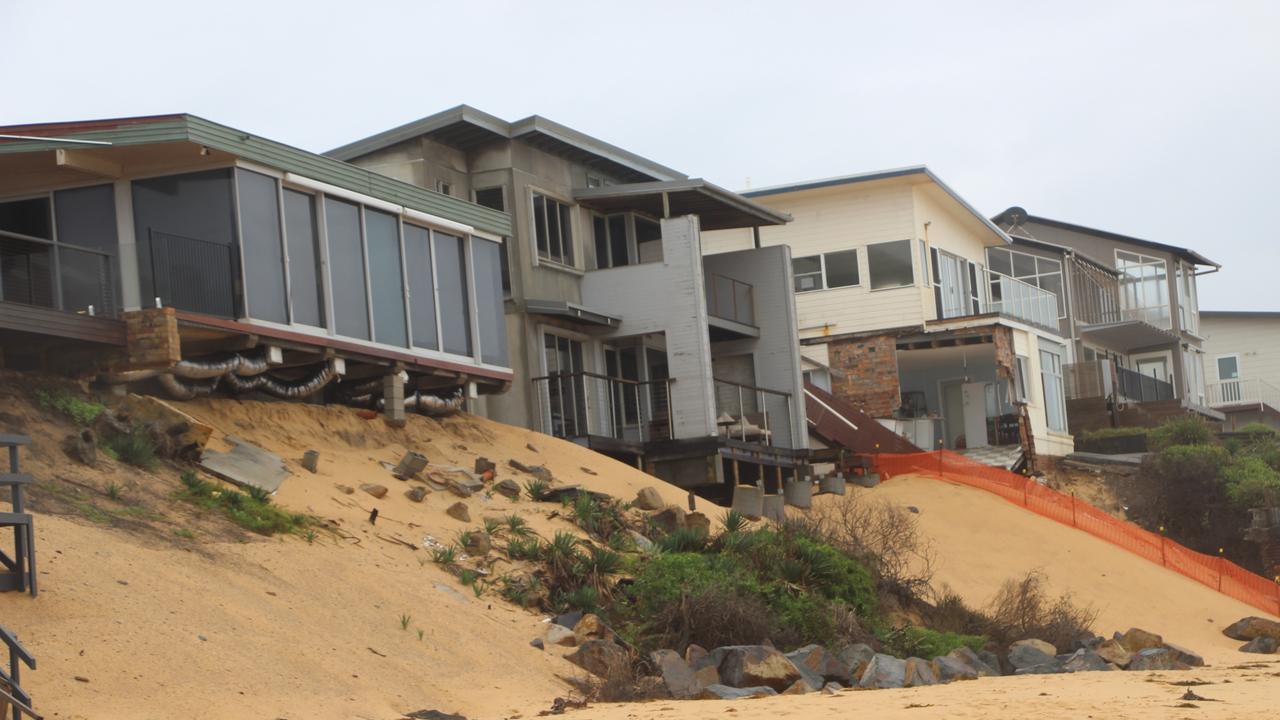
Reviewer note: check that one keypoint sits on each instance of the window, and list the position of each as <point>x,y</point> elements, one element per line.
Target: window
<point>382,238</point>
<point>826,271</point>
<point>444,188</point>
<point>553,229</point>
<point>1044,273</point>
<point>889,264</point>
<point>303,242</point>
<point>566,391</point>
<point>1188,305</point>
<point>1228,367</point>
<point>492,317</point>
<point>346,268</point>
<point>1051,379</point>
<point>495,198</point>
<point>648,239</point>
<point>262,251</point>
<point>422,295</point>
<point>455,306</point>
<point>1020,373</point>
<point>1144,288</point>
<point>36,260</point>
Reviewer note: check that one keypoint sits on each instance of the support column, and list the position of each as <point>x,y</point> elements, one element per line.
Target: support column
<point>393,399</point>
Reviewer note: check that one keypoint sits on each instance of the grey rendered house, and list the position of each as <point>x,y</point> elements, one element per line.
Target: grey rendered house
<point>623,336</point>
<point>173,250</point>
<point>1130,311</point>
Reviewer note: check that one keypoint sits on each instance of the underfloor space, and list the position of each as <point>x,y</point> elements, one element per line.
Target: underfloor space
<point>958,388</point>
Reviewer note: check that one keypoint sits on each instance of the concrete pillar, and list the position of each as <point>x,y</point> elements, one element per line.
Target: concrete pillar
<point>774,508</point>
<point>798,493</point>
<point>831,485</point>
<point>748,500</point>
<point>867,480</point>
<point>393,400</point>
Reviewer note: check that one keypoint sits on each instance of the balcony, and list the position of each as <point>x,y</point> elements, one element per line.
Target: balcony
<point>587,406</point>
<point>1021,300</point>
<point>62,277</point>
<point>1136,387</point>
<point>750,414</point>
<point>1242,392</point>
<point>731,310</point>
<point>1101,379</point>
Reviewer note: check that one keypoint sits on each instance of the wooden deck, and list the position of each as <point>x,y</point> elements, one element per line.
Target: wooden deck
<point>35,320</point>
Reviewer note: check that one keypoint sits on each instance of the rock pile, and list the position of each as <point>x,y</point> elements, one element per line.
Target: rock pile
<point>1263,635</point>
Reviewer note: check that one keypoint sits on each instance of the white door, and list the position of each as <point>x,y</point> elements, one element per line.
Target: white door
<point>1229,375</point>
<point>975,414</point>
<point>1154,367</point>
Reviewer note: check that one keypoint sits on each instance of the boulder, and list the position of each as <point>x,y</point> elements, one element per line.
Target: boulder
<point>707,675</point>
<point>753,665</point>
<point>918,672</point>
<point>1113,652</point>
<point>560,635</point>
<point>477,543</point>
<point>508,488</point>
<point>1136,639</point>
<point>855,657</point>
<point>598,657</point>
<point>378,491</point>
<point>694,654</point>
<point>649,499</point>
<point>642,543</point>
<point>818,666</point>
<point>1087,640</point>
<point>697,521</point>
<point>568,619</point>
<point>1048,668</point>
<point>1262,645</point>
<point>1085,660</point>
<point>725,692</point>
<point>884,671</point>
<point>82,446</point>
<point>1252,627</point>
<point>992,661</point>
<point>409,466</point>
<point>591,627</point>
<point>1185,656</point>
<point>459,511</point>
<point>832,688</point>
<point>951,669</point>
<point>484,464</point>
<point>417,493</point>
<point>974,661</point>
<point>799,687</point>
<point>676,674</point>
<point>669,519</point>
<point>1157,658</point>
<point>1027,653</point>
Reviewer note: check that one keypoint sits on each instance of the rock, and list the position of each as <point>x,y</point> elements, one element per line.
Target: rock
<point>855,657</point>
<point>82,447</point>
<point>1085,660</point>
<point>598,656</point>
<point>433,715</point>
<point>753,665</point>
<point>417,493</point>
<point>1157,658</point>
<point>918,673</point>
<point>707,675</point>
<point>697,521</point>
<point>724,692</point>
<point>832,688</point>
<point>1262,645</point>
<point>1185,656</point>
<point>1113,652</point>
<point>459,481</point>
<point>1027,653</point>
<point>649,499</point>
<point>818,667</point>
<point>1252,627</point>
<point>568,619</point>
<point>378,491</point>
<point>591,627</point>
<point>799,687</point>
<point>484,464</point>
<point>642,543</point>
<point>676,674</point>
<point>310,460</point>
<point>694,654</point>
<point>1047,668</point>
<point>477,543</point>
<point>951,669</point>
<point>344,489</point>
<point>1087,640</point>
<point>531,447</point>
<point>992,661</point>
<point>537,642</point>
<point>669,519</point>
<point>884,671</point>
<point>508,488</point>
<point>538,471</point>
<point>560,635</point>
<point>1136,639</point>
<point>459,511</point>
<point>979,662</point>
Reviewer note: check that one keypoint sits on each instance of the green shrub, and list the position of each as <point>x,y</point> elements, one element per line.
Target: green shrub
<point>1257,428</point>
<point>1182,430</point>
<point>134,447</point>
<point>244,510</point>
<point>912,641</point>
<point>83,412</point>
<point>1251,482</point>
<point>683,540</point>
<point>1104,433</point>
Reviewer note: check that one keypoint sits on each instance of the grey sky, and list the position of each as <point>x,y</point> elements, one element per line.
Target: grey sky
<point>1156,119</point>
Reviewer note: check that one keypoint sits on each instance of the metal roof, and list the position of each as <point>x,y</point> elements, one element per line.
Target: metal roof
<point>716,208</point>
<point>1185,253</point>
<point>880,175</point>
<point>157,129</point>
<point>573,311</point>
<point>466,128</point>
<point>1065,250</point>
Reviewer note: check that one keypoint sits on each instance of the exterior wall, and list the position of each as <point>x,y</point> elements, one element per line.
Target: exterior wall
<point>1256,340</point>
<point>870,367</point>
<point>1047,442</point>
<point>776,352</point>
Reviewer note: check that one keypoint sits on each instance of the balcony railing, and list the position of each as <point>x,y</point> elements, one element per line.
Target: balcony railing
<point>193,274</point>
<point>730,299</point>
<point>1250,391</point>
<point>1022,300</point>
<point>584,404</point>
<point>753,414</point>
<point>1136,387</point>
<point>64,277</point>
<point>1095,379</point>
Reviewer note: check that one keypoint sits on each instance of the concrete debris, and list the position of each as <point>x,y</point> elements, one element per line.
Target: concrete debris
<point>507,487</point>
<point>344,489</point>
<point>724,692</point>
<point>484,464</point>
<point>409,466</point>
<point>417,493</point>
<point>560,635</point>
<point>310,461</point>
<point>649,499</point>
<point>247,465</point>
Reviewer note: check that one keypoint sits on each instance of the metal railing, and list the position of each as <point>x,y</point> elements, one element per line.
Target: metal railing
<point>1247,391</point>
<point>1137,387</point>
<point>193,274</point>
<point>585,404</point>
<point>753,414</point>
<point>730,299</point>
<point>1022,300</point>
<point>1088,379</point>
<point>64,277</point>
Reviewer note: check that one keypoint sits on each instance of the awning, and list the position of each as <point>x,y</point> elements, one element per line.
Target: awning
<point>716,208</point>
<point>1127,335</point>
<point>573,311</point>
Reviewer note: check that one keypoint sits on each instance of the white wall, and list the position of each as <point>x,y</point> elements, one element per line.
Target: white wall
<point>1047,442</point>
<point>1255,339</point>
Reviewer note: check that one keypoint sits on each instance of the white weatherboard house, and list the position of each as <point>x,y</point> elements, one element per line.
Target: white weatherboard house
<point>1242,351</point>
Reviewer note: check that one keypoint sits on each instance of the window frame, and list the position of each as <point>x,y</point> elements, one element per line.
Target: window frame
<point>1058,399</point>
<point>1021,389</point>
<point>571,262</point>
<point>1034,278</point>
<point>1217,366</point>
<point>910,263</point>
<point>821,272</point>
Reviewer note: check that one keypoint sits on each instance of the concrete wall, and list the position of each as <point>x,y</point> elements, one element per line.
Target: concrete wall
<point>776,352</point>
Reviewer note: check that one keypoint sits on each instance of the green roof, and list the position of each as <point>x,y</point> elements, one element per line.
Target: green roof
<point>189,128</point>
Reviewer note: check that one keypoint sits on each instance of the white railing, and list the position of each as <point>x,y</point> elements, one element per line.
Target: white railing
<point>1022,300</point>
<point>1242,392</point>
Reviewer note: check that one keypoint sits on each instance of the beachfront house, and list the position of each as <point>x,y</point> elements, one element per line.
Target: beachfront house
<point>1242,355</point>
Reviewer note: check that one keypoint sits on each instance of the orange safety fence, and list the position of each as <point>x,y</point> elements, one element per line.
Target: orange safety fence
<point>1215,572</point>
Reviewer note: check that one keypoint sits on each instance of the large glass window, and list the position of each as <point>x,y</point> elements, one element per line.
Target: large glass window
<point>86,219</point>
<point>1055,406</point>
<point>496,199</point>
<point>346,269</point>
<point>382,237</point>
<point>1044,273</point>
<point>455,308</point>
<point>889,264</point>
<point>26,267</point>
<point>491,316</point>
<point>826,271</point>
<point>566,392</point>
<point>553,229</point>
<point>27,217</point>
<point>303,242</point>
<point>1188,305</point>
<point>422,293</point>
<point>1144,288</point>
<point>261,250</point>
<point>807,272</point>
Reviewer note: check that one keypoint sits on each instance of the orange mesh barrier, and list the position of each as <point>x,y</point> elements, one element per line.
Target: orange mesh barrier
<point>1216,572</point>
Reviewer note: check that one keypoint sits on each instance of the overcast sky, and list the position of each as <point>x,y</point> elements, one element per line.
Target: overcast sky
<point>1157,119</point>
